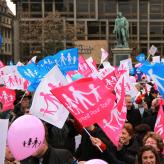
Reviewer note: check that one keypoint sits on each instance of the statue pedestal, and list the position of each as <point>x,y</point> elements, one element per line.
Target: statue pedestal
<point>120,54</point>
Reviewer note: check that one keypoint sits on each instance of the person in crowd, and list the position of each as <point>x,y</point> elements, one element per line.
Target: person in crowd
<point>63,138</point>
<point>151,96</point>
<point>140,131</point>
<point>49,155</point>
<point>133,115</point>
<point>148,155</point>
<point>125,153</point>
<point>155,140</point>
<point>151,119</point>
<point>22,107</point>
<point>3,114</point>
<point>86,149</point>
<point>46,154</point>
<point>128,146</point>
<point>9,158</point>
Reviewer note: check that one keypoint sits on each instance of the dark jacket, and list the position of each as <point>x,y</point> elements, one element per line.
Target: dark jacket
<point>52,156</point>
<point>133,116</point>
<point>86,150</point>
<point>129,152</point>
<point>110,156</point>
<point>150,120</point>
<point>62,138</point>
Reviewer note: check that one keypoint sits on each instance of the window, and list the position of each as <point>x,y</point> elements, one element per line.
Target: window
<point>107,9</point>
<point>143,9</point>
<point>96,30</point>
<point>143,30</point>
<point>128,8</point>
<point>86,9</point>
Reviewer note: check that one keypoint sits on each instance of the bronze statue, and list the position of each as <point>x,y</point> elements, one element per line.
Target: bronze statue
<point>121,30</point>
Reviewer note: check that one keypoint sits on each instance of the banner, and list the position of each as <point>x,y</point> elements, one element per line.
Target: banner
<point>7,98</point>
<point>45,105</point>
<point>87,99</point>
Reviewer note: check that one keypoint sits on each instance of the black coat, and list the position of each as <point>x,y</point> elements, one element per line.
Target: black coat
<point>150,120</point>
<point>52,156</point>
<point>129,152</point>
<point>133,116</point>
<point>86,150</point>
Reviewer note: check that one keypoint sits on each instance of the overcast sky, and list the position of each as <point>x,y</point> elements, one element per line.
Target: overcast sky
<point>11,6</point>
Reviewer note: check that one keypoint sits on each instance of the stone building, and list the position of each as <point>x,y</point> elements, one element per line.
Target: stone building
<point>6,30</point>
<point>146,20</point>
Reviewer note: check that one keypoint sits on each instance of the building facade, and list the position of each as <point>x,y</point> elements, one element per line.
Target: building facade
<point>146,20</point>
<point>6,30</point>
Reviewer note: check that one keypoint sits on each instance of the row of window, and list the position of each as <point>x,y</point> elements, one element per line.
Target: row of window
<point>3,9</point>
<point>5,20</point>
<point>6,33</point>
<point>6,48</point>
<point>106,8</point>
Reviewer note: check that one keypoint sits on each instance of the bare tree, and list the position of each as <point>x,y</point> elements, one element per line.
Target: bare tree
<point>50,32</point>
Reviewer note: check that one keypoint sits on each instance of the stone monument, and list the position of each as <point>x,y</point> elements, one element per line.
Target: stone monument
<point>121,30</point>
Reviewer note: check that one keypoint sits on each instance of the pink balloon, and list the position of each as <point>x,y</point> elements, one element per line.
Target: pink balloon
<point>132,79</point>
<point>25,135</point>
<point>96,161</point>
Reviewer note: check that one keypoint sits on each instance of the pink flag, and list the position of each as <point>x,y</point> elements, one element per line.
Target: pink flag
<point>1,64</point>
<point>159,125</point>
<point>113,123</point>
<point>87,99</point>
<point>7,97</point>
<point>112,78</point>
<point>83,68</point>
<point>104,55</point>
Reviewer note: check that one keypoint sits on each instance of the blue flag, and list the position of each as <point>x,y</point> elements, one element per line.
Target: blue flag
<point>46,63</point>
<point>132,71</point>
<point>33,86</point>
<point>1,40</point>
<point>141,58</point>
<point>155,71</point>
<point>29,72</point>
<point>67,60</point>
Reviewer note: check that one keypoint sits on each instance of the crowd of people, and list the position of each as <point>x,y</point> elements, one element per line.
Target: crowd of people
<point>138,143</point>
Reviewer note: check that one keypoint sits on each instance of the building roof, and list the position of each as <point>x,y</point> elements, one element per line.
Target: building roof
<point>8,12</point>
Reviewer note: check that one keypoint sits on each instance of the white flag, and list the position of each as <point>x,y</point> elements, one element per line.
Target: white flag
<point>104,55</point>
<point>45,105</point>
<point>156,59</point>
<point>3,135</point>
<point>152,50</point>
